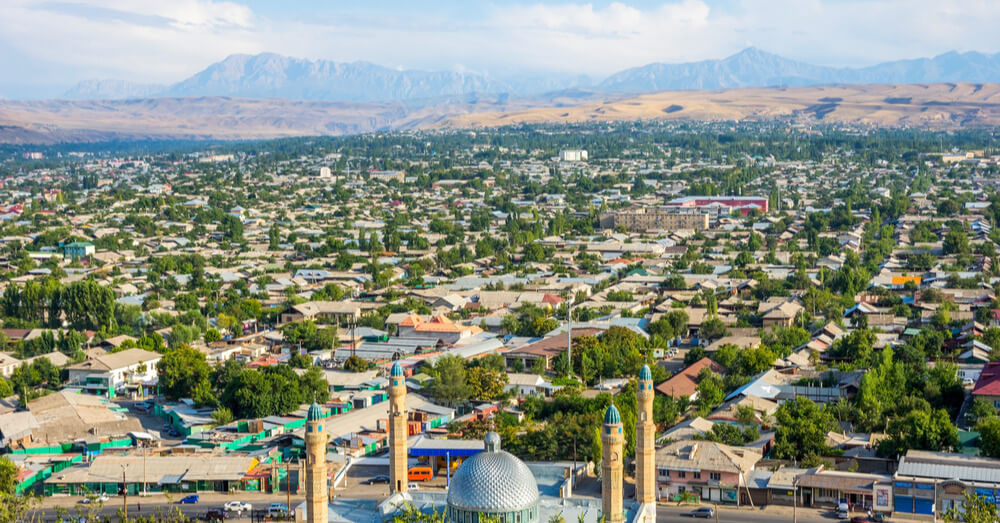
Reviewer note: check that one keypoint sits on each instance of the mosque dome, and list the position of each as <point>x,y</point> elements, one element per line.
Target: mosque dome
<point>645,373</point>
<point>493,482</point>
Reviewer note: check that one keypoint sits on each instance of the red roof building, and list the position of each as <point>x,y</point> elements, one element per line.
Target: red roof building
<point>988,386</point>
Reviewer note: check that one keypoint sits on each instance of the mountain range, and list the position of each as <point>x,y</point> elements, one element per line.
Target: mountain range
<point>270,75</point>
<point>939,105</point>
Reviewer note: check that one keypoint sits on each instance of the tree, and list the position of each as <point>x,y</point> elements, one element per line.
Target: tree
<point>181,371</point>
<point>8,476</point>
<point>231,228</point>
<point>450,385</point>
<point>212,336</point>
<point>989,436</point>
<point>956,242</point>
<point>355,363</point>
<point>712,329</point>
<point>710,392</point>
<point>87,305</point>
<point>975,509</point>
<point>922,430</point>
<point>801,431</point>
<point>222,416</point>
<point>314,386</point>
<point>980,410</point>
<point>486,383</point>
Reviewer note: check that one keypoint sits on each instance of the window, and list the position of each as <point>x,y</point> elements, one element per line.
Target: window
<point>715,476</point>
<point>697,475</point>
<point>681,473</point>
<point>664,473</point>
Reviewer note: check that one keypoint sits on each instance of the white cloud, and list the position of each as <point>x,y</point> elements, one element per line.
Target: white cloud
<point>167,40</point>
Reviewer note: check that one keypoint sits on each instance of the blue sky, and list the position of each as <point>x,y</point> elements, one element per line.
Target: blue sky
<point>48,45</point>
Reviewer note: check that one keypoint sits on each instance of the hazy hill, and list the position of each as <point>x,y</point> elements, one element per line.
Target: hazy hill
<point>752,67</point>
<point>269,75</point>
<point>927,105</point>
<point>111,90</point>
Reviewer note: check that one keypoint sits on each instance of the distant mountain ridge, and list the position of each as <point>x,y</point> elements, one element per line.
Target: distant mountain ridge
<point>752,67</point>
<point>269,75</point>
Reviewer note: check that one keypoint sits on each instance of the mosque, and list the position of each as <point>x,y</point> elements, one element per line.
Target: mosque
<point>493,482</point>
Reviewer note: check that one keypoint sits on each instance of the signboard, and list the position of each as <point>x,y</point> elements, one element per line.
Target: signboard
<point>883,498</point>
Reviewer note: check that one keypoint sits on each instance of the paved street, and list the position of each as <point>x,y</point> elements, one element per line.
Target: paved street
<point>671,514</point>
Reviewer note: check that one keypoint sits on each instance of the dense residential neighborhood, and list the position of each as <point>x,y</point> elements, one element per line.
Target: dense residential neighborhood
<point>814,307</point>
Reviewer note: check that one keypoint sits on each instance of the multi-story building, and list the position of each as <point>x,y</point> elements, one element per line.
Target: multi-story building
<point>573,155</point>
<point>131,371</point>
<point>711,471</point>
<point>723,204</point>
<point>643,219</point>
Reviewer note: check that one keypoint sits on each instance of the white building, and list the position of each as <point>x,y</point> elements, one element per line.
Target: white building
<point>573,155</point>
<point>131,372</point>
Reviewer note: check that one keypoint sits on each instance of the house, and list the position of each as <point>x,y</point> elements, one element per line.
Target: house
<point>829,488</point>
<point>988,385</point>
<point>439,327</point>
<point>77,250</point>
<point>684,384</point>
<point>783,313</point>
<point>132,371</point>
<point>65,417</point>
<point>547,348</point>
<point>711,471</point>
<point>340,311</point>
<point>528,385</point>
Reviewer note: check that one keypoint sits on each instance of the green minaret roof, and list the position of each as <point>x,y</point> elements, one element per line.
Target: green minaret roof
<point>315,412</point>
<point>612,416</point>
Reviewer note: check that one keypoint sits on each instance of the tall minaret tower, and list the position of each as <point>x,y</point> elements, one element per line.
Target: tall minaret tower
<point>397,430</point>
<point>645,451</point>
<point>316,487</point>
<point>612,442</point>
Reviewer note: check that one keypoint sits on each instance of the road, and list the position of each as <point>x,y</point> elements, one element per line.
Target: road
<point>667,514</point>
<point>112,511</point>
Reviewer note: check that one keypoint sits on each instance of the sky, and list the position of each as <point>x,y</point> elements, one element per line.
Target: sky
<point>46,46</point>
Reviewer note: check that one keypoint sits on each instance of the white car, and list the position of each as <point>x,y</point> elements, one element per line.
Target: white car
<point>237,506</point>
<point>414,486</point>
<point>101,498</point>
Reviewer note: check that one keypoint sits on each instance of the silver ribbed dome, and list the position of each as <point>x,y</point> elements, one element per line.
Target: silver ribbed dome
<point>493,481</point>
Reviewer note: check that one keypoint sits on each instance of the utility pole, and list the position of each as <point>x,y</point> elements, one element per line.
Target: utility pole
<point>145,490</point>
<point>288,489</point>
<point>569,334</point>
<point>795,500</point>
<point>124,494</point>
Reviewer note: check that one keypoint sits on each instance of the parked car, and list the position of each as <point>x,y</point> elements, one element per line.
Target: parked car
<point>95,498</point>
<point>703,512</point>
<point>381,478</point>
<point>874,518</point>
<point>238,506</point>
<point>277,509</point>
<point>414,486</point>
<point>190,498</point>
<point>843,511</point>
<point>215,514</point>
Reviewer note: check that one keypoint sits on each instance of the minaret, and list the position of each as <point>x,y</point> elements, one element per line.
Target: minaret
<point>397,430</point>
<point>645,450</point>
<point>316,487</point>
<point>612,442</point>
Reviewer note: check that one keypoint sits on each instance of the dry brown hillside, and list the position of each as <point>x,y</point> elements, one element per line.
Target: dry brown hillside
<point>50,121</point>
<point>935,105</point>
